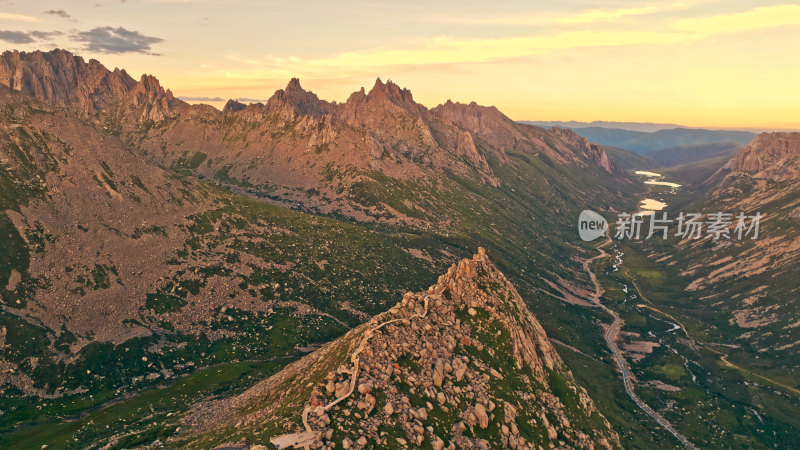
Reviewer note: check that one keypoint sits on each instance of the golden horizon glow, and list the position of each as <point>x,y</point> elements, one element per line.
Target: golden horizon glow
<point>701,63</point>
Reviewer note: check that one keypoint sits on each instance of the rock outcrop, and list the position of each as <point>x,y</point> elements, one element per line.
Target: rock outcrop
<point>594,152</point>
<point>461,365</point>
<point>294,101</point>
<point>65,80</point>
<point>233,106</point>
<point>62,79</point>
<point>771,156</point>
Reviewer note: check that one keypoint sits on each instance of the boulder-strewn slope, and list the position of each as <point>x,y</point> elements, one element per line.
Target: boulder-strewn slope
<point>461,365</point>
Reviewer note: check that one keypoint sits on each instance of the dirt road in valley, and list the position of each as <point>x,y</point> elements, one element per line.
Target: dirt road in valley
<point>611,335</point>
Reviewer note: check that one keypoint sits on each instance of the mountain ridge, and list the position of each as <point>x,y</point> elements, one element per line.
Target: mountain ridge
<point>105,252</point>
<point>62,79</point>
<point>463,363</point>
<point>646,142</point>
<point>382,130</point>
<point>630,126</point>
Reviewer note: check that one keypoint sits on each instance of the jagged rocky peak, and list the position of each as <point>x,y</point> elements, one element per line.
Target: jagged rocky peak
<point>485,124</point>
<point>149,89</point>
<point>294,101</point>
<point>463,364</point>
<point>384,99</point>
<point>154,102</point>
<point>357,96</point>
<point>471,115</point>
<point>485,121</point>
<point>392,92</point>
<point>45,76</point>
<point>150,84</point>
<point>294,85</point>
<point>60,78</point>
<point>773,156</point>
<point>233,106</point>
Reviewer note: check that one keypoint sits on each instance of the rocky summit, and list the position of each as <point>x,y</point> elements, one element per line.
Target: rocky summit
<point>463,364</point>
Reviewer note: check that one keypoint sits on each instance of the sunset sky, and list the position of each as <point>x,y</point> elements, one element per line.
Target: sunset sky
<point>729,63</point>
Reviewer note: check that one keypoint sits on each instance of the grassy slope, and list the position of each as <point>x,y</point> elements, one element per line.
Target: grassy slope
<point>695,173</point>
<point>628,160</point>
<point>367,267</point>
<point>688,154</point>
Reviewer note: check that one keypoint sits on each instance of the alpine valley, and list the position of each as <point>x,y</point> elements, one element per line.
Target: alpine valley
<point>372,274</point>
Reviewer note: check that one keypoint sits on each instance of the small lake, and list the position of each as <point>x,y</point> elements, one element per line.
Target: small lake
<point>650,205</point>
<point>663,183</point>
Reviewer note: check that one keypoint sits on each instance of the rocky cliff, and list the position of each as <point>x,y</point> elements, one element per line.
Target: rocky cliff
<point>595,152</point>
<point>771,156</point>
<point>461,365</point>
<point>62,79</point>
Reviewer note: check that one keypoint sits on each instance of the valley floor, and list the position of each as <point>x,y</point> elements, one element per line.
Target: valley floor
<point>686,381</point>
<point>611,337</point>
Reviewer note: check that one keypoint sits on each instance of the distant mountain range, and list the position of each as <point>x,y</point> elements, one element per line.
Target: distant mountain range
<point>665,144</point>
<point>685,154</point>
<point>646,142</point>
<point>646,127</point>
